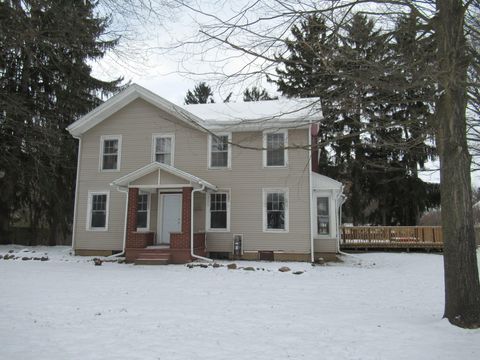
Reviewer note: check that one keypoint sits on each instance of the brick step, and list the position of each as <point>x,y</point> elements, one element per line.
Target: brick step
<point>151,261</point>
<point>146,255</point>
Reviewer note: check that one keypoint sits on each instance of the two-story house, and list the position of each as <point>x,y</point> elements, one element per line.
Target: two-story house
<point>170,183</point>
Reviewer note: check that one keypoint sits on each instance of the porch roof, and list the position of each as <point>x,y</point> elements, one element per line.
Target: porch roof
<point>125,180</point>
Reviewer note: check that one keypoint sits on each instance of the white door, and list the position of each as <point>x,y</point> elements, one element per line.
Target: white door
<point>171,216</point>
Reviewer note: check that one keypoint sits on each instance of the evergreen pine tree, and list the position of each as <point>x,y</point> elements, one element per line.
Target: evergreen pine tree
<point>45,80</point>
<point>201,94</point>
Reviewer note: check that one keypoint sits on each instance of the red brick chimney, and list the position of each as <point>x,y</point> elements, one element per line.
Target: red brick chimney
<point>314,148</point>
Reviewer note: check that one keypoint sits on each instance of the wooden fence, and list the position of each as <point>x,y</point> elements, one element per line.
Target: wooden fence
<point>400,237</point>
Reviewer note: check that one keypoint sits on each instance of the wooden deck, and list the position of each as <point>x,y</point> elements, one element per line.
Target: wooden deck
<point>391,237</point>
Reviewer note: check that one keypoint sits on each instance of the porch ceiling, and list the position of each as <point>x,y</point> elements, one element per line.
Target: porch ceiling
<point>127,180</point>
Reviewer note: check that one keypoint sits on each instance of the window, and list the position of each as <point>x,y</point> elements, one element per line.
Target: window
<point>218,209</point>
<point>97,217</point>
<point>110,150</point>
<point>219,151</point>
<point>275,210</point>
<point>163,148</point>
<point>142,211</point>
<point>323,219</point>
<point>275,153</point>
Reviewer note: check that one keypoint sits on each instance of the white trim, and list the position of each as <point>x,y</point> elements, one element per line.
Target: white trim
<point>310,195</point>
<point>285,146</point>
<point>208,214</point>
<point>119,154</point>
<point>147,169</point>
<point>149,198</point>
<point>125,97</point>
<point>266,191</point>
<point>75,204</point>
<point>172,146</point>
<point>229,151</point>
<point>89,209</point>
<point>330,194</point>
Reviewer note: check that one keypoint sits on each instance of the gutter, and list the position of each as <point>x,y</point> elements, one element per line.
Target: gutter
<point>191,225</point>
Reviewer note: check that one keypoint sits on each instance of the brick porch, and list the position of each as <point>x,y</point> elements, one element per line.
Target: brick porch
<point>139,247</point>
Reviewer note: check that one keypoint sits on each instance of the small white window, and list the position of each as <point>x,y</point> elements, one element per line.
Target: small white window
<point>110,152</point>
<point>143,211</point>
<point>275,210</point>
<point>219,153</point>
<point>323,216</point>
<point>275,149</point>
<point>218,211</point>
<point>163,146</point>
<point>97,215</point>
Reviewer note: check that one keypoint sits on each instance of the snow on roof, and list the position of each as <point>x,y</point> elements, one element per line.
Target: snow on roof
<point>258,114</point>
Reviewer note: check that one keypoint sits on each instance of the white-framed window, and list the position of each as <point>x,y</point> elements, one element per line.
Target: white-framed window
<point>219,151</point>
<point>275,210</point>
<point>110,152</point>
<point>97,210</point>
<point>143,211</point>
<point>163,148</point>
<point>218,211</point>
<point>323,215</point>
<point>275,145</point>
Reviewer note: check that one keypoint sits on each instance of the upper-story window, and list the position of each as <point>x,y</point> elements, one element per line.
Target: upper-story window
<point>163,148</point>
<point>275,148</point>
<point>110,152</point>
<point>219,153</point>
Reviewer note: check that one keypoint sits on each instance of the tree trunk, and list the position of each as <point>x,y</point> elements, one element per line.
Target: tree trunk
<point>462,288</point>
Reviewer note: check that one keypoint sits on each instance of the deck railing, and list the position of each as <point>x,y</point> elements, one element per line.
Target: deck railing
<point>392,236</point>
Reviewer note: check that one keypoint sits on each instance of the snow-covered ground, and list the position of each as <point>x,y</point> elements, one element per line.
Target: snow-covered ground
<point>375,306</point>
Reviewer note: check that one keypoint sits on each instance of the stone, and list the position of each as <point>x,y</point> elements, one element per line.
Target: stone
<point>321,261</point>
<point>1,256</point>
<point>284,269</point>
<point>97,262</point>
<point>11,251</point>
<point>203,266</point>
<point>216,265</point>
<point>190,266</point>
<point>232,266</point>
<point>297,272</point>
<point>249,268</point>
<point>44,258</point>
<point>25,258</point>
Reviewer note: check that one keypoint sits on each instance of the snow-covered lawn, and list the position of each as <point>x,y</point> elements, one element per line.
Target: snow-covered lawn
<point>375,306</point>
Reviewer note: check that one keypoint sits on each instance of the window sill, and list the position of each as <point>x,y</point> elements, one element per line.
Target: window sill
<point>274,231</point>
<point>218,230</point>
<point>97,229</point>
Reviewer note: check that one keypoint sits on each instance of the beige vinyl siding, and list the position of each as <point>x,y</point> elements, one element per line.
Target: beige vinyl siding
<point>246,178</point>
<point>169,179</point>
<point>149,179</point>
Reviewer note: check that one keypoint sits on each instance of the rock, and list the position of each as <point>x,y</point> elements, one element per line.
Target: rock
<point>297,272</point>
<point>25,258</point>
<point>203,266</point>
<point>36,258</point>
<point>249,268</point>
<point>284,269</point>
<point>232,266</point>
<point>11,251</point>
<point>1,256</point>
<point>44,258</point>
<point>216,265</point>
<point>321,261</point>
<point>97,262</point>
<point>190,266</point>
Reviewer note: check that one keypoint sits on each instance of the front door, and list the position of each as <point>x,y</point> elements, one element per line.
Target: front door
<point>171,216</point>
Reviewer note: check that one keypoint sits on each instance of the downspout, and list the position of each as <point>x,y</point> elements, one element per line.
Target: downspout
<point>125,191</point>
<point>74,228</point>
<point>310,195</point>
<point>191,224</point>
<point>341,198</point>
